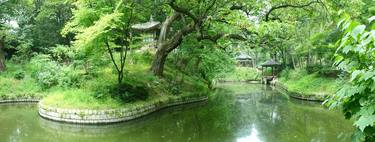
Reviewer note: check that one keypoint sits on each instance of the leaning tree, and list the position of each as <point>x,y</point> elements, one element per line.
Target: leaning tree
<point>189,17</point>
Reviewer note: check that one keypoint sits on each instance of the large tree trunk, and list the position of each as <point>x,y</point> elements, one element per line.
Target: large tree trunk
<point>158,63</point>
<point>161,54</point>
<point>165,46</point>
<point>2,53</point>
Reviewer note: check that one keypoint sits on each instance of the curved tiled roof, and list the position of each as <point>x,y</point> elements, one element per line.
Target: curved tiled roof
<point>270,62</point>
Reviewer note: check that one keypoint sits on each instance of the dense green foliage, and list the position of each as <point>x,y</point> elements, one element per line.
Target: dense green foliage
<point>355,55</point>
<point>87,54</point>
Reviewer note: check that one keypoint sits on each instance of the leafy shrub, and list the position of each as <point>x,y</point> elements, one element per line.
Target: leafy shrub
<point>91,64</point>
<point>62,53</point>
<point>124,92</point>
<point>326,71</point>
<point>313,68</point>
<point>44,70</point>
<point>47,78</point>
<point>19,74</point>
<point>329,72</point>
<point>49,73</point>
<point>68,77</point>
<point>129,93</point>
<point>174,88</point>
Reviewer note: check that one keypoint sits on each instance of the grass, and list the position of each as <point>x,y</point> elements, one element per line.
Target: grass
<point>79,98</point>
<point>12,88</point>
<point>300,81</point>
<point>241,74</point>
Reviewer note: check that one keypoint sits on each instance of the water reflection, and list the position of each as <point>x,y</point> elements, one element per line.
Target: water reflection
<point>253,137</point>
<point>238,112</point>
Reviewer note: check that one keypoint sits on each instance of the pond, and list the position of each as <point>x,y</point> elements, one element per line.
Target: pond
<point>238,113</point>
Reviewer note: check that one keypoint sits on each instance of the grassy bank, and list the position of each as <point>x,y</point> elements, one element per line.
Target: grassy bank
<point>241,74</point>
<point>306,84</point>
<point>157,90</point>
<point>73,86</point>
<point>18,84</point>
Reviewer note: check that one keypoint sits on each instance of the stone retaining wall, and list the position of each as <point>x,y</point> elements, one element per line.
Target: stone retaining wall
<point>298,95</point>
<point>108,116</point>
<point>245,81</point>
<point>20,100</point>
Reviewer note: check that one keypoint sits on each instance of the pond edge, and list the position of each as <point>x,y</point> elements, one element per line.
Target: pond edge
<point>20,100</point>
<point>105,116</point>
<point>298,95</point>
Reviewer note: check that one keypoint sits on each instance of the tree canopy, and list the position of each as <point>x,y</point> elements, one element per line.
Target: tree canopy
<point>191,44</point>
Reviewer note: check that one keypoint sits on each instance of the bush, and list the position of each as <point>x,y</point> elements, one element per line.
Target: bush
<point>124,92</point>
<point>69,77</point>
<point>49,73</point>
<point>129,93</point>
<point>329,72</point>
<point>174,88</point>
<point>19,75</point>
<point>326,71</point>
<point>63,53</point>
<point>47,78</point>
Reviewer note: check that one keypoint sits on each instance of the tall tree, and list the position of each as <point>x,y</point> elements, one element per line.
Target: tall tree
<point>2,53</point>
<point>104,26</point>
<point>190,17</point>
<point>6,12</point>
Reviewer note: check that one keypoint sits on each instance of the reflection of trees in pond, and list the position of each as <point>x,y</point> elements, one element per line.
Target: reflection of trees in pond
<point>13,127</point>
<point>279,119</point>
<point>282,120</point>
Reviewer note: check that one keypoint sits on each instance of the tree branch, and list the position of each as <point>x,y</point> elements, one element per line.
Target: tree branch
<point>111,54</point>
<point>289,6</point>
<point>166,25</point>
<point>241,8</point>
<point>216,37</point>
<point>178,37</point>
<point>182,10</point>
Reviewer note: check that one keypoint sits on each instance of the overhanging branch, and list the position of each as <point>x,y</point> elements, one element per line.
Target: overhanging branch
<point>216,37</point>
<point>289,6</point>
<point>182,10</point>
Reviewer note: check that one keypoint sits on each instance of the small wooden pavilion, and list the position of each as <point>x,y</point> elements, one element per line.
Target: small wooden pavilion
<point>270,63</point>
<point>150,28</point>
<point>244,60</point>
<point>266,79</point>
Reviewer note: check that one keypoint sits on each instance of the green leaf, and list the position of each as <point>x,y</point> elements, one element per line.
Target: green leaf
<point>357,31</point>
<point>347,48</point>
<point>365,121</point>
<point>367,75</point>
<point>341,22</point>
<point>371,19</point>
<point>355,74</point>
<point>358,136</point>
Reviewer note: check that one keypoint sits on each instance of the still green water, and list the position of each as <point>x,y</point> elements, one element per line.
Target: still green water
<point>239,113</point>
